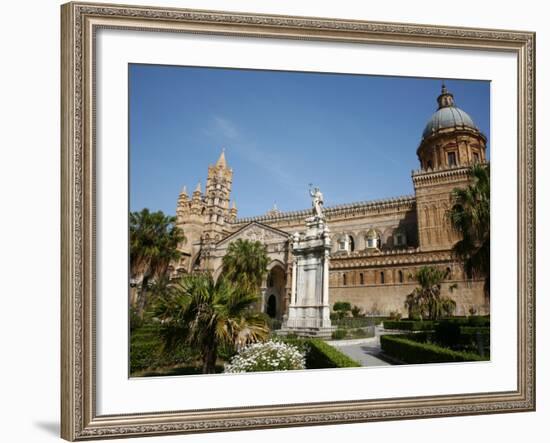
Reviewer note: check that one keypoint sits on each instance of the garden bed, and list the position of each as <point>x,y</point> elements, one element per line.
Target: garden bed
<point>409,350</point>
<point>320,355</point>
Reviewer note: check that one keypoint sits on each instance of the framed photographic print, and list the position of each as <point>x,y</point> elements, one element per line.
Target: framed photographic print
<point>283,221</point>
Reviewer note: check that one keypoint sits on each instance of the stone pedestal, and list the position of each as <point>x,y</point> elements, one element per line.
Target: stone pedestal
<point>309,309</point>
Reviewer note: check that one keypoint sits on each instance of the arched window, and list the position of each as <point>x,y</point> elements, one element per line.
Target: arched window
<point>448,273</point>
<point>400,276</point>
<point>451,158</point>
<point>342,244</point>
<point>344,280</point>
<point>372,239</point>
<point>382,278</point>
<point>346,243</point>
<point>399,238</point>
<point>361,279</point>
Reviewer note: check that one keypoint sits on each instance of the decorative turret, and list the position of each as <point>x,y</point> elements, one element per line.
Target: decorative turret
<point>183,204</point>
<point>233,212</point>
<point>198,190</point>
<point>217,196</point>
<point>183,195</point>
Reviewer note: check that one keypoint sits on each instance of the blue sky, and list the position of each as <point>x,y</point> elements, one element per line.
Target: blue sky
<point>354,136</point>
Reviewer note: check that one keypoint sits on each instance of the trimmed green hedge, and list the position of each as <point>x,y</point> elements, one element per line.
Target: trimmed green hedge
<point>473,330</point>
<point>402,348</point>
<point>430,325</point>
<point>320,355</point>
<point>409,325</point>
<point>353,322</point>
<point>473,320</point>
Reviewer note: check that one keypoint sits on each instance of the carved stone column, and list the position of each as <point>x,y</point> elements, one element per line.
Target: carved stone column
<point>309,311</point>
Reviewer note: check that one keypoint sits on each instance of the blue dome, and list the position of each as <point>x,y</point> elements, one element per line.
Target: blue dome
<point>448,117</point>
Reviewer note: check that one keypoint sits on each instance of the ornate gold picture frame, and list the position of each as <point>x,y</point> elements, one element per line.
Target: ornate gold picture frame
<point>80,23</point>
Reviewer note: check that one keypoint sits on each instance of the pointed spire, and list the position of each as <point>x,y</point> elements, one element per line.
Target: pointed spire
<point>184,191</point>
<point>234,205</point>
<point>221,161</point>
<point>198,188</point>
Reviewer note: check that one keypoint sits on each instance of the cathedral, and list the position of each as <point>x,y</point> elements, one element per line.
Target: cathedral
<point>377,246</point>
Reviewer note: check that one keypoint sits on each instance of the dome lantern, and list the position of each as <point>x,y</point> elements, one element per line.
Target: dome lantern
<point>450,137</point>
<point>445,99</point>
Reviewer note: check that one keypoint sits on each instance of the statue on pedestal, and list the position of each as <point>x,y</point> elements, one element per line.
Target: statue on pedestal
<point>317,200</point>
<point>309,309</point>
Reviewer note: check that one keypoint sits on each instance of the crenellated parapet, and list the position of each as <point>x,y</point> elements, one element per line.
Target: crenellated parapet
<point>363,208</point>
<point>410,256</point>
<point>429,177</point>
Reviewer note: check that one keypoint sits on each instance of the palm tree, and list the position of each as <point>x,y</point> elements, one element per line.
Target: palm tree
<point>206,314</point>
<point>246,263</point>
<point>470,217</point>
<point>426,301</point>
<point>154,240</point>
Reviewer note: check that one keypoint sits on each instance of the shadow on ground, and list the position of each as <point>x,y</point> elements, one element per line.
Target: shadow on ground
<point>50,427</point>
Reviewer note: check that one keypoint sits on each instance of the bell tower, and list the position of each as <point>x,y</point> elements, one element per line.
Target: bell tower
<point>217,198</point>
<point>451,143</point>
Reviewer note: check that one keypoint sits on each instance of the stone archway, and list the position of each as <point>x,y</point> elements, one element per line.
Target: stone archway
<point>274,293</point>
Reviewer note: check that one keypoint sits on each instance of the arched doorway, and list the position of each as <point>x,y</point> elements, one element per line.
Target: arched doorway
<point>274,292</point>
<point>271,308</point>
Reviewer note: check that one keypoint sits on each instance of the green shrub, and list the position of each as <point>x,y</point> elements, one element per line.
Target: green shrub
<point>356,311</point>
<point>341,306</point>
<point>474,320</point>
<point>473,330</point>
<point>342,309</point>
<point>395,315</point>
<point>403,348</point>
<point>339,334</point>
<point>146,350</point>
<point>273,323</point>
<point>447,333</point>
<point>409,325</point>
<point>361,332</point>
<point>321,355</point>
<point>357,322</point>
<point>480,321</point>
<point>135,320</point>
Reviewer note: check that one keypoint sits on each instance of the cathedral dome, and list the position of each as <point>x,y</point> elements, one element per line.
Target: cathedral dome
<point>447,116</point>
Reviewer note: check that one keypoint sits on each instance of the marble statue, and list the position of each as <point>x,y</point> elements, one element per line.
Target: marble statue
<point>317,201</point>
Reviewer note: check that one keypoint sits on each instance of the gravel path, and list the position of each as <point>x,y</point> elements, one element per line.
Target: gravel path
<point>366,351</point>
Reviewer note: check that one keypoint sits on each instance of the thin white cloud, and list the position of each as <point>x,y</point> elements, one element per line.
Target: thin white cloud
<point>225,128</point>
<point>222,127</point>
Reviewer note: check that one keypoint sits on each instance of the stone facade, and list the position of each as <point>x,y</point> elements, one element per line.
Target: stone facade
<point>375,246</point>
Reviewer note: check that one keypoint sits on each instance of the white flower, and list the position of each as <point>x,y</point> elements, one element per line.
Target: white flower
<point>266,356</point>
